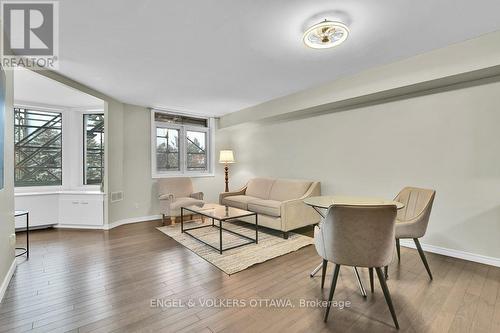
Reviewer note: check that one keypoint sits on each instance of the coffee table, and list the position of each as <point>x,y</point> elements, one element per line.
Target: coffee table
<point>222,214</point>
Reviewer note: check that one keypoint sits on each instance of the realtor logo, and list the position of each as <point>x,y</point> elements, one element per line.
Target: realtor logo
<point>30,34</point>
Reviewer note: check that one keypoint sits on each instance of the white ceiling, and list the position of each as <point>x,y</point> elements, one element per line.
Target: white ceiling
<point>35,89</point>
<point>219,56</point>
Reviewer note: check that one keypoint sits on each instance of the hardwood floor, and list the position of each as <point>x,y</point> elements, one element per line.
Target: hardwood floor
<point>99,281</point>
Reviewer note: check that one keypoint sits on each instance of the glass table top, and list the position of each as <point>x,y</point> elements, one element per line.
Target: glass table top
<point>218,212</point>
<point>325,201</point>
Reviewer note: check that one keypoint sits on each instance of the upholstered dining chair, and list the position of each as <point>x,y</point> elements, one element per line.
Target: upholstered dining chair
<point>175,193</point>
<point>359,236</point>
<point>412,220</point>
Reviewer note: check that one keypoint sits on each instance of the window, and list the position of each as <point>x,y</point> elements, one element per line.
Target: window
<point>167,149</point>
<point>93,149</point>
<point>196,151</point>
<point>181,145</point>
<point>38,147</point>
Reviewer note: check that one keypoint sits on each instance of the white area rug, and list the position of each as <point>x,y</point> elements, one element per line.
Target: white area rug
<point>271,244</point>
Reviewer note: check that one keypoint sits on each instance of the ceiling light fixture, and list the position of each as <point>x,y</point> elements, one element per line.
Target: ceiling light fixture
<point>325,34</point>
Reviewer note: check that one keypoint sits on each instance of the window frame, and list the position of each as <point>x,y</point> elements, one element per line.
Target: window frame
<point>182,146</point>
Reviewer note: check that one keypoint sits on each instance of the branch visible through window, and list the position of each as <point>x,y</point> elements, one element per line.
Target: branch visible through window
<point>37,148</point>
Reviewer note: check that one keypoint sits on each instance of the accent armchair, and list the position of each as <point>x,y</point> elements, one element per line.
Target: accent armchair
<point>175,193</point>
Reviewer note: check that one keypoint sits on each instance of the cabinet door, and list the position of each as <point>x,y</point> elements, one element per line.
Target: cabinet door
<point>85,210</point>
<point>91,211</point>
<point>69,211</point>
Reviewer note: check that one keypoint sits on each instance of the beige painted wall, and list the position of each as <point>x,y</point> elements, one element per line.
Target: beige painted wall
<point>140,190</point>
<point>114,142</point>
<point>138,185</point>
<point>447,140</point>
<point>7,193</point>
<point>444,140</point>
<point>114,156</point>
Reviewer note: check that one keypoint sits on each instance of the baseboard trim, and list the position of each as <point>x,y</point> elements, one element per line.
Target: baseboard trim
<point>118,223</point>
<point>112,225</point>
<point>36,227</point>
<point>453,253</point>
<point>8,277</point>
<point>78,226</point>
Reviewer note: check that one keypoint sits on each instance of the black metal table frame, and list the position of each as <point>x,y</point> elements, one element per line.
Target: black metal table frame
<point>25,250</point>
<point>221,228</point>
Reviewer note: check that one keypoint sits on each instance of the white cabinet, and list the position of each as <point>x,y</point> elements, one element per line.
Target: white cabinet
<point>84,210</point>
<point>62,209</point>
<point>43,209</point>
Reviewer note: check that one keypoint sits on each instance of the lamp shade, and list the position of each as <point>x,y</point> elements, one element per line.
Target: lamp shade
<point>226,156</point>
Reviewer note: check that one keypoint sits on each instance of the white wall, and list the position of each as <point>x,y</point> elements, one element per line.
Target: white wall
<point>7,193</point>
<point>447,140</point>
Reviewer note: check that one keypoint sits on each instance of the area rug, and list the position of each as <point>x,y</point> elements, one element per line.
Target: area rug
<point>271,244</point>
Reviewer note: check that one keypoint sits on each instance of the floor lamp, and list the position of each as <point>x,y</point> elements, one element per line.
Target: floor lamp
<point>226,157</point>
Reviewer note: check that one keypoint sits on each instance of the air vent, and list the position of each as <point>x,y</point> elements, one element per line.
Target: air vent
<point>116,196</point>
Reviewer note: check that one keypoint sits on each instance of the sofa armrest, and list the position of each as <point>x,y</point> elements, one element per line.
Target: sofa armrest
<point>296,214</point>
<point>228,194</point>
<point>313,191</point>
<point>165,202</point>
<point>167,196</point>
<point>197,195</point>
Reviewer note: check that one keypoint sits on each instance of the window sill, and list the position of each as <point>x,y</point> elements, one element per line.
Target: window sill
<point>188,175</point>
<point>56,192</point>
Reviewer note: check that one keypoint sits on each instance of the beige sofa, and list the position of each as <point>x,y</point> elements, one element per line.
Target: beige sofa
<point>278,202</point>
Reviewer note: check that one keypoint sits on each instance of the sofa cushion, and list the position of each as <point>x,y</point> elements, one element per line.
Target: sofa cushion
<point>259,187</point>
<point>284,189</point>
<point>266,207</point>
<point>238,201</point>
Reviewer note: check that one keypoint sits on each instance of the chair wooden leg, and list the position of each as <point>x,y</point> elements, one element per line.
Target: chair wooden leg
<point>323,272</point>
<point>332,290</point>
<point>386,272</point>
<point>398,249</point>
<point>422,256</point>
<point>387,295</point>
<point>370,270</point>
<point>163,219</point>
